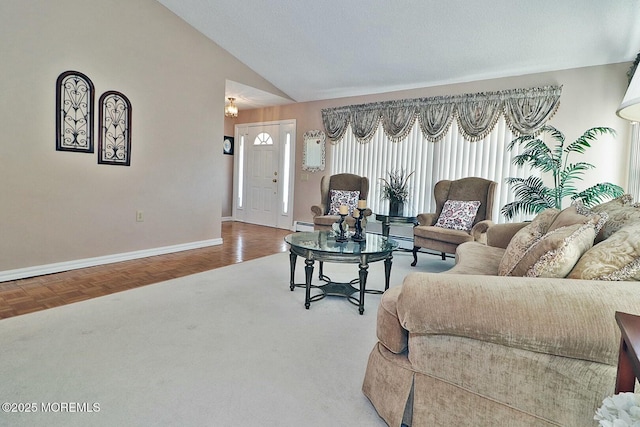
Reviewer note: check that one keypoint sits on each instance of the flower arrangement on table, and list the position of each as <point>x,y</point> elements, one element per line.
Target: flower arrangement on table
<point>396,190</point>
<point>619,410</point>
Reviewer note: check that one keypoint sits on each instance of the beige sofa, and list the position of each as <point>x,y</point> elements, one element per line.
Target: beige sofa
<point>472,348</point>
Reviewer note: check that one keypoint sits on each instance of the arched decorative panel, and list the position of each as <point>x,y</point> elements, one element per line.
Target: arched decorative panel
<point>114,140</point>
<point>74,112</point>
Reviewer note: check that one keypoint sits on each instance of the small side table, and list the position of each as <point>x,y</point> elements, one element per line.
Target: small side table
<point>387,220</point>
<point>628,363</point>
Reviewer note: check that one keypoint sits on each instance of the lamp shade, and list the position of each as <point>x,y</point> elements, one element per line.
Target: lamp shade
<point>630,107</point>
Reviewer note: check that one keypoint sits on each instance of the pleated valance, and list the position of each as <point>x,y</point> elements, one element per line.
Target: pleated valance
<point>525,111</point>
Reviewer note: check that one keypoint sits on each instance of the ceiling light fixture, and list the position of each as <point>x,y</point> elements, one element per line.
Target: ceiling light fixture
<point>230,110</point>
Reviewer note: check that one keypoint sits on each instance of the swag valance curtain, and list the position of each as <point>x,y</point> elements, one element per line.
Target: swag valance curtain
<point>525,111</point>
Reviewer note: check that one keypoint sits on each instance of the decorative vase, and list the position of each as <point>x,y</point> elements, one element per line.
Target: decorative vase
<point>396,208</point>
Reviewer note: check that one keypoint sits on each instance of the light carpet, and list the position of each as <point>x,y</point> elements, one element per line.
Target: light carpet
<point>230,346</point>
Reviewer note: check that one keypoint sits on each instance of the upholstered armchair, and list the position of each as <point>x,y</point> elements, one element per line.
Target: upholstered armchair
<point>339,189</point>
<point>463,214</point>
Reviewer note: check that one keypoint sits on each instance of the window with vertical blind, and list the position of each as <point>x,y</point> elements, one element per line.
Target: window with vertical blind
<point>438,138</point>
<point>452,157</point>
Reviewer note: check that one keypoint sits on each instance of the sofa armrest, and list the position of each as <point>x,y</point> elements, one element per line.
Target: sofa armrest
<point>499,235</point>
<point>426,218</point>
<point>479,230</point>
<point>318,210</point>
<point>562,317</point>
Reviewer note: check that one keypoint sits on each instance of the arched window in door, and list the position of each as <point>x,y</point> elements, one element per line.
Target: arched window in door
<point>263,139</point>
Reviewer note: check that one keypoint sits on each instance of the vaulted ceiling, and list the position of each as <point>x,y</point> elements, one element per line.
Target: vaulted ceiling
<point>322,49</point>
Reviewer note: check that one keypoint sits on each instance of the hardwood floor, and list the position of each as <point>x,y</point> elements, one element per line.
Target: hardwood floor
<point>241,242</point>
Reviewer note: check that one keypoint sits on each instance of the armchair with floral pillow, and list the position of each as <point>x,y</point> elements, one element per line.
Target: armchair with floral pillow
<point>463,213</point>
<point>336,190</point>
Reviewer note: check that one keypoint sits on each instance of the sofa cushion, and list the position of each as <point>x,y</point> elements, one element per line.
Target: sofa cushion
<point>326,220</point>
<point>617,258</point>
<point>524,238</point>
<point>569,236</point>
<point>499,235</point>
<point>458,214</point>
<point>342,197</point>
<point>444,234</point>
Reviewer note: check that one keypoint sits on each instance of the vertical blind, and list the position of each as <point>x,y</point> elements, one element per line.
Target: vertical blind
<point>452,157</point>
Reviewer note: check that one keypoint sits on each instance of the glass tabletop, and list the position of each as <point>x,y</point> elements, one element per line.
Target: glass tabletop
<point>325,241</point>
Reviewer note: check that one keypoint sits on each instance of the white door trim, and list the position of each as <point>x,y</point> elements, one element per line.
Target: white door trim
<point>284,217</point>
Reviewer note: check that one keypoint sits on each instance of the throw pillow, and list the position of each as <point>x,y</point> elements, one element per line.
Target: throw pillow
<point>555,254</point>
<point>624,200</point>
<point>621,212</point>
<point>342,197</point>
<point>617,258</point>
<point>458,215</point>
<point>524,238</point>
<point>577,213</point>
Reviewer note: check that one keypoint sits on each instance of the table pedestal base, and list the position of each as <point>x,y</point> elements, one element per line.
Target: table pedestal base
<point>340,289</point>
<point>321,246</point>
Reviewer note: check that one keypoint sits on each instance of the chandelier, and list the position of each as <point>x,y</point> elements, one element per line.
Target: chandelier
<point>230,110</point>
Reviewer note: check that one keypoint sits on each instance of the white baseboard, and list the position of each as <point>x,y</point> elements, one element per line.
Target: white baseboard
<point>40,270</point>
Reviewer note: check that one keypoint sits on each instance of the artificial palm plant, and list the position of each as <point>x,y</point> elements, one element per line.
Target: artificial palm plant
<point>532,195</point>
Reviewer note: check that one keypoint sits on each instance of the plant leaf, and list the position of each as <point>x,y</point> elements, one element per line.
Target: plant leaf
<point>598,193</point>
<point>582,143</point>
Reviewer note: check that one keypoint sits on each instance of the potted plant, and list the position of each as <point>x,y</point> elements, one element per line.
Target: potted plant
<point>532,195</point>
<point>396,190</point>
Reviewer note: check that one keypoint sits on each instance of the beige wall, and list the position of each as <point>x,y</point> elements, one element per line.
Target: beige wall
<point>590,98</point>
<point>61,206</point>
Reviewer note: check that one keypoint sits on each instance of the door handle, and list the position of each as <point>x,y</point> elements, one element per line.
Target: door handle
<point>275,180</point>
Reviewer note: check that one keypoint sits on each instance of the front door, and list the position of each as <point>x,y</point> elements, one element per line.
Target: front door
<point>263,154</point>
<point>263,168</point>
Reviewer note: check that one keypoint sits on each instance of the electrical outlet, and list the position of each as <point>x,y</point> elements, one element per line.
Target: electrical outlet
<point>139,216</point>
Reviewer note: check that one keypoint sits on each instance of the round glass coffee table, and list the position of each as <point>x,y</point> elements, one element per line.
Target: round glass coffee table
<point>322,246</point>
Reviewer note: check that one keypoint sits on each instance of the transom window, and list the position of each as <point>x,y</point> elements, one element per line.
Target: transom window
<point>263,139</point>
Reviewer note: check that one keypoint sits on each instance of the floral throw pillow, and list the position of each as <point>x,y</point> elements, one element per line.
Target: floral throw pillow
<point>458,214</point>
<point>342,197</point>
